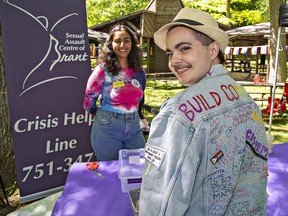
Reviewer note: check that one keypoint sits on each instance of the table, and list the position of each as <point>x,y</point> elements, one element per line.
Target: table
<point>278,181</point>
<point>85,193</point>
<point>162,76</point>
<point>248,83</point>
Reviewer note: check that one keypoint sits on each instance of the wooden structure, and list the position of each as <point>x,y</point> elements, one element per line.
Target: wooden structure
<point>265,90</point>
<point>145,23</point>
<point>252,35</point>
<point>96,38</point>
<point>252,44</point>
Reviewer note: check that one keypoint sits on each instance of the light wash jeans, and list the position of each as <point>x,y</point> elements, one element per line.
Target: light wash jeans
<point>112,132</point>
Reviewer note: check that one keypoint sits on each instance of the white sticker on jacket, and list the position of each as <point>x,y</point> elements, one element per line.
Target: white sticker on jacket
<point>154,155</point>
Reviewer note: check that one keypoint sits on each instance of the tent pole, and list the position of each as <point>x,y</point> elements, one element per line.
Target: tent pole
<point>275,78</point>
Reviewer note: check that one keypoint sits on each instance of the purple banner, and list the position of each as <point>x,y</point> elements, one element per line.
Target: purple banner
<point>47,64</point>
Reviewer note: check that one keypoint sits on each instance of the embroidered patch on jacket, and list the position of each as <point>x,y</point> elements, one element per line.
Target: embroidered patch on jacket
<point>154,155</point>
<point>257,147</point>
<point>217,157</point>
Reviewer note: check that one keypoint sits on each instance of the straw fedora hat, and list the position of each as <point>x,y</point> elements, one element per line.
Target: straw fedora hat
<point>195,19</point>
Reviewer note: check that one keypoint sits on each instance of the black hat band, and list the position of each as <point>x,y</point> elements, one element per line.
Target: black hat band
<point>189,22</point>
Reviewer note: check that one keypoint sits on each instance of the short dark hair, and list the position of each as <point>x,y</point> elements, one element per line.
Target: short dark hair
<point>205,40</point>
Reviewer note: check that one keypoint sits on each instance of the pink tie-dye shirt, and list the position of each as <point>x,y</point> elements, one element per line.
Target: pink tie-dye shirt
<point>120,93</point>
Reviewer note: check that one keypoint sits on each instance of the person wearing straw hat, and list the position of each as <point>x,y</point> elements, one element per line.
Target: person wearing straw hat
<point>207,150</point>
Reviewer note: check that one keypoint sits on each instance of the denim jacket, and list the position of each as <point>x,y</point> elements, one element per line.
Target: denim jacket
<point>206,153</point>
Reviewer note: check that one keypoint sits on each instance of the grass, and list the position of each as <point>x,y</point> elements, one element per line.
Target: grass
<point>156,95</point>
<point>279,126</point>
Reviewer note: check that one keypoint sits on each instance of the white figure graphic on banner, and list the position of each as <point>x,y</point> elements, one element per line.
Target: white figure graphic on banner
<point>44,22</point>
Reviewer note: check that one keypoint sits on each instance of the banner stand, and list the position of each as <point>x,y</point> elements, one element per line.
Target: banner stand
<point>40,195</point>
<point>47,65</point>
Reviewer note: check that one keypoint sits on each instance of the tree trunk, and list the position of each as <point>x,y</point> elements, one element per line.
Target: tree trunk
<point>274,18</point>
<point>7,159</point>
<point>228,12</point>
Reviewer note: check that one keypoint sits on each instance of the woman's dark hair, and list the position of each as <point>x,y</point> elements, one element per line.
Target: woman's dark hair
<point>109,57</point>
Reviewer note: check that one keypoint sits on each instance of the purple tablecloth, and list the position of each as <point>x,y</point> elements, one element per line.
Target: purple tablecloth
<point>85,193</point>
<point>278,181</point>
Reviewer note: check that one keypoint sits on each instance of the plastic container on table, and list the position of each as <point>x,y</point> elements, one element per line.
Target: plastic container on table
<point>131,168</point>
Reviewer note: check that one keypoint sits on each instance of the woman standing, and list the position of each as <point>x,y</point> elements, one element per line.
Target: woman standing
<point>120,82</point>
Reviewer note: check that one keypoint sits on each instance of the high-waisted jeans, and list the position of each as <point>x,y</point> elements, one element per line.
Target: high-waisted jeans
<point>112,132</point>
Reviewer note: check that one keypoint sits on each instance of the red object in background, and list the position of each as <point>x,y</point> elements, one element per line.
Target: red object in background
<point>279,106</point>
<point>285,94</point>
<point>256,79</point>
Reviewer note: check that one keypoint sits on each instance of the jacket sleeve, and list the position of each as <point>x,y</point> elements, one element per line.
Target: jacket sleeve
<point>93,89</point>
<point>140,75</point>
<point>188,186</point>
<point>168,182</point>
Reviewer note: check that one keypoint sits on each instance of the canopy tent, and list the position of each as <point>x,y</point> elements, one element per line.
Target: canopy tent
<point>252,35</point>
<point>252,40</point>
<point>97,35</point>
<point>252,50</point>
<point>283,23</point>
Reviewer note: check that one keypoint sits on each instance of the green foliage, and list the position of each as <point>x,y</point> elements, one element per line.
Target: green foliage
<point>247,12</point>
<point>243,12</point>
<point>247,17</point>
<point>263,6</point>
<point>99,11</point>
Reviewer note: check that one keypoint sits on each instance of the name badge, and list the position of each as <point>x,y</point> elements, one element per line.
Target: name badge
<point>118,84</point>
<point>154,155</point>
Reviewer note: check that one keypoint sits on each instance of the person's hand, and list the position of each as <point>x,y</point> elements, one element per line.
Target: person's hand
<point>144,125</point>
